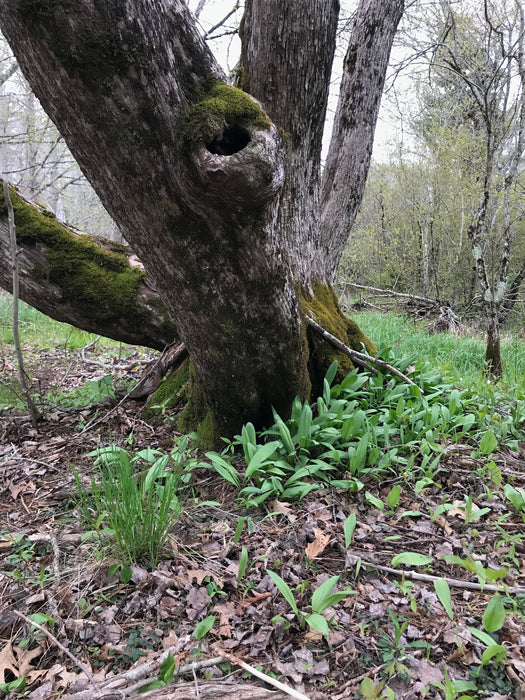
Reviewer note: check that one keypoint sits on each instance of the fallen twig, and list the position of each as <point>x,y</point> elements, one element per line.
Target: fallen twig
<point>453,582</point>
<point>359,357</point>
<point>263,676</point>
<point>66,651</point>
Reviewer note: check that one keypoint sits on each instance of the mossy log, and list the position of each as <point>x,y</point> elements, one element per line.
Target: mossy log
<point>87,281</point>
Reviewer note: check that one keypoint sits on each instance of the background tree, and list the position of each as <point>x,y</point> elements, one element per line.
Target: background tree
<point>220,197</point>
<point>458,189</point>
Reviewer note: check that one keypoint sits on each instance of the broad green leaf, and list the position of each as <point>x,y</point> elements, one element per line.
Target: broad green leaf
<point>154,472</point>
<point>493,574</point>
<point>358,460</point>
<point>284,432</point>
<point>494,615</point>
<point>482,636</point>
<point>224,468</point>
<point>263,453</point>
<point>516,497</point>
<point>304,426</point>
<point>443,593</point>
<point>369,690</point>
<point>488,442</point>
<point>331,372</point>
<point>284,589</point>
<point>167,670</point>
<point>155,685</point>
<point>125,573</point>
<point>496,651</point>
<point>243,564</point>
<point>238,531</point>
<point>41,619</point>
<point>377,502</point>
<point>412,559</point>
<point>394,496</point>
<point>204,627</point>
<point>321,593</point>
<point>349,527</point>
<point>318,622</point>
<point>18,684</point>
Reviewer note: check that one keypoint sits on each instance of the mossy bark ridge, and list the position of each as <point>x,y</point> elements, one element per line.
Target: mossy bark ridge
<point>216,190</point>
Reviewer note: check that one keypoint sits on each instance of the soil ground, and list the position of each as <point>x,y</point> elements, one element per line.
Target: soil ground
<point>48,566</point>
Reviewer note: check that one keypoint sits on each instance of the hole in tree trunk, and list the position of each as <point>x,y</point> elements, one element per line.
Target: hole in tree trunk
<point>232,140</point>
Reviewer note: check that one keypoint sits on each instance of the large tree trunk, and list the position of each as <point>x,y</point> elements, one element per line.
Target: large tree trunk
<point>220,203</point>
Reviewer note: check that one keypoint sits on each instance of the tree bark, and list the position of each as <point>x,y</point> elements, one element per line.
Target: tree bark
<point>220,203</point>
<point>90,283</point>
<point>350,152</point>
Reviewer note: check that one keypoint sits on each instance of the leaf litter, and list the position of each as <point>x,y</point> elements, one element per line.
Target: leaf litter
<point>392,632</point>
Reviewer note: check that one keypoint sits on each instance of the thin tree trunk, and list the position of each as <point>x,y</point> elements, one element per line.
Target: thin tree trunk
<point>493,361</point>
<point>24,380</point>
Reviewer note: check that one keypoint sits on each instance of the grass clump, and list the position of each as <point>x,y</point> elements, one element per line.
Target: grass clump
<point>460,358</point>
<point>138,509</point>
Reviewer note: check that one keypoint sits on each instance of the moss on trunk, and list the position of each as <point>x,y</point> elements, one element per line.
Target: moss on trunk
<point>324,307</point>
<point>98,283</point>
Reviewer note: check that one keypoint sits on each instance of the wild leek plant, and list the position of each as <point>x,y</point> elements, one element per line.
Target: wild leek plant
<point>367,426</point>
<point>138,509</point>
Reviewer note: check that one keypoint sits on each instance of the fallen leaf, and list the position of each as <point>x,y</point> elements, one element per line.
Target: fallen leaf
<point>315,548</point>
<point>284,509</point>
<point>7,662</point>
<point>225,611</point>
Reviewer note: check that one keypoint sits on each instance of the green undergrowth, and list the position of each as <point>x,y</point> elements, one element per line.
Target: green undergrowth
<point>370,428</point>
<point>461,358</point>
<point>40,331</point>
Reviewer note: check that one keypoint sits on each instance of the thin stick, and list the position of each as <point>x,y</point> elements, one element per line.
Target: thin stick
<point>26,389</point>
<point>62,647</point>
<point>145,669</point>
<point>359,357</point>
<point>390,292</point>
<point>453,582</point>
<point>263,676</point>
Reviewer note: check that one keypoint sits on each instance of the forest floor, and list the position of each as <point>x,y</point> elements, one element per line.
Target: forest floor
<point>392,629</point>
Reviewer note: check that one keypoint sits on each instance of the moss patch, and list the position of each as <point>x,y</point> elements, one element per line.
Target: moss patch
<point>100,284</point>
<point>197,417</point>
<point>326,311</point>
<point>223,106</point>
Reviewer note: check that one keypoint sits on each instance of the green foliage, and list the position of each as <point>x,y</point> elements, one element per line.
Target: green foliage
<point>322,598</point>
<point>165,677</point>
<point>203,627</point>
<point>459,359</point>
<point>137,509</point>
<point>369,425</point>
<point>443,593</point>
<point>92,391</point>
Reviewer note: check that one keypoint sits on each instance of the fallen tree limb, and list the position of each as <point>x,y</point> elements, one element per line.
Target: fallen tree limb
<point>109,294</point>
<point>391,292</point>
<point>416,576</point>
<point>66,651</point>
<point>359,358</point>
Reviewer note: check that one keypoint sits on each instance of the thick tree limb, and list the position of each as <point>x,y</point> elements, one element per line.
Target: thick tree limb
<point>123,305</point>
<point>344,177</point>
<point>289,71</point>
